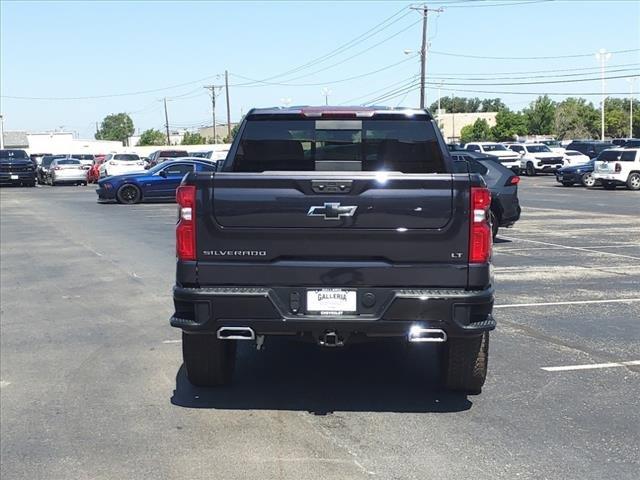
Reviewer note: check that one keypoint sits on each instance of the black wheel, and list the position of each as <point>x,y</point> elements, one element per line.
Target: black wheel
<point>609,186</point>
<point>588,180</point>
<point>129,194</point>
<point>494,224</point>
<point>209,362</point>
<point>531,171</point>
<point>633,182</point>
<point>465,363</point>
<point>567,184</point>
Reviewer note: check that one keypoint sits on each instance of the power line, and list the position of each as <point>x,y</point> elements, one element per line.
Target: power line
<point>343,60</point>
<point>551,57</point>
<point>330,82</point>
<point>350,44</point>
<point>549,82</point>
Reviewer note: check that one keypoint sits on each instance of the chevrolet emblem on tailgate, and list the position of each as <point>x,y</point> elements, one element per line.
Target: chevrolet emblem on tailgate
<point>332,211</point>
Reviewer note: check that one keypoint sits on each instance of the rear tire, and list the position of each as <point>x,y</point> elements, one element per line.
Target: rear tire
<point>209,362</point>
<point>494,224</point>
<point>633,182</point>
<point>465,363</point>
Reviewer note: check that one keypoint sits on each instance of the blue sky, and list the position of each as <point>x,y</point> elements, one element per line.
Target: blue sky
<point>77,49</point>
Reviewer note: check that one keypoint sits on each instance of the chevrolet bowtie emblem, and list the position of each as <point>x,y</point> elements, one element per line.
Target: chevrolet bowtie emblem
<point>332,211</point>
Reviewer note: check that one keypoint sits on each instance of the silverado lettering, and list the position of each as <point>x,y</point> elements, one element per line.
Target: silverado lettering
<point>235,253</point>
<point>370,233</point>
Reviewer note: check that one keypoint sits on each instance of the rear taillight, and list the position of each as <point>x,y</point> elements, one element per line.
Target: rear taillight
<point>618,168</point>
<point>186,228</point>
<point>112,163</point>
<point>57,168</point>
<point>512,180</point>
<point>480,239</point>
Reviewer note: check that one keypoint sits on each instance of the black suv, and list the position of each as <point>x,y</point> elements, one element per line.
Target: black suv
<point>591,148</point>
<point>16,168</point>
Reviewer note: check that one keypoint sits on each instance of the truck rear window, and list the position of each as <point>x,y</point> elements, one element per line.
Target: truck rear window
<point>408,146</point>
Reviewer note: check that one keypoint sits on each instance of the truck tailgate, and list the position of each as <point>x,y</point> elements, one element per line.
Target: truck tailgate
<point>364,228</point>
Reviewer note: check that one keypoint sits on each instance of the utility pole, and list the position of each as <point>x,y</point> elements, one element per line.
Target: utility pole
<point>602,56</point>
<point>226,86</point>
<point>166,121</point>
<point>631,81</point>
<point>212,89</point>
<point>423,50</point>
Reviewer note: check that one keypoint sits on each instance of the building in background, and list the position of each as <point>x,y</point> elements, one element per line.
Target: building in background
<point>452,123</point>
<point>221,131</point>
<point>57,142</point>
<point>15,140</point>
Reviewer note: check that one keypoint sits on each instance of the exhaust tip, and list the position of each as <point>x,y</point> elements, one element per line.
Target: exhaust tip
<point>426,335</point>
<point>235,333</point>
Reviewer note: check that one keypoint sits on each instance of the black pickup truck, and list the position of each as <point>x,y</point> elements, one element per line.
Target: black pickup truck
<point>16,168</point>
<point>335,225</point>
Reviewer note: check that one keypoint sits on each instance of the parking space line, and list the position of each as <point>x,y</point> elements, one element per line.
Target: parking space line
<point>172,341</point>
<point>619,245</point>
<point>591,366</point>
<point>577,302</point>
<point>582,249</point>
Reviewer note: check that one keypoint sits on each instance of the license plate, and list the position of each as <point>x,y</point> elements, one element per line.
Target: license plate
<point>331,301</point>
<point>14,177</point>
<point>559,177</point>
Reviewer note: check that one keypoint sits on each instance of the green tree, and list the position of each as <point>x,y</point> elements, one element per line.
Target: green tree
<point>541,116</point>
<point>492,105</point>
<point>479,131</point>
<point>117,126</point>
<point>457,105</point>
<point>193,139</point>
<point>234,132</point>
<point>152,137</point>
<point>576,118</point>
<point>508,125</point>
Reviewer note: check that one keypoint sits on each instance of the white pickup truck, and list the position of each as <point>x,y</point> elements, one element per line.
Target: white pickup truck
<point>506,157</point>
<point>537,157</point>
<point>624,170</point>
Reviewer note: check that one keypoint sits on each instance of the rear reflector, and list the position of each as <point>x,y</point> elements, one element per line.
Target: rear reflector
<point>480,238</point>
<point>186,228</point>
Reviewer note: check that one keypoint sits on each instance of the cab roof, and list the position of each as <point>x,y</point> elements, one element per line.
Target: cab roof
<point>338,111</point>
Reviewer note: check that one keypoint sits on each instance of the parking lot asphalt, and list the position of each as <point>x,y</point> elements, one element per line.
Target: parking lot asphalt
<point>91,383</point>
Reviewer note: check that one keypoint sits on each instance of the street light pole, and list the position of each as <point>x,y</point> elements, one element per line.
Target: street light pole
<point>1,132</point>
<point>631,81</point>
<point>326,92</point>
<point>602,56</point>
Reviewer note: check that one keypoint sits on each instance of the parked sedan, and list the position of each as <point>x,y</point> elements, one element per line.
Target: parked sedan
<point>502,182</point>
<point>67,170</point>
<point>156,184</point>
<point>42,173</point>
<point>581,174</point>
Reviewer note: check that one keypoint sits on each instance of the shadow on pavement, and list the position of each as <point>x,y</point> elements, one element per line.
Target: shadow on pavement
<point>287,375</point>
